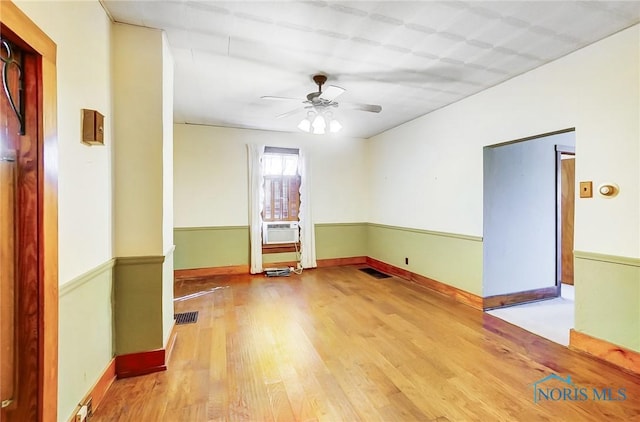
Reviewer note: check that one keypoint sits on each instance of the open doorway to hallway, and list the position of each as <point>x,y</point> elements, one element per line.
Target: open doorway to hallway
<point>528,233</point>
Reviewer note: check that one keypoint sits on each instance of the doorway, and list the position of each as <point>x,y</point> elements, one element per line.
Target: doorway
<point>528,233</point>
<point>28,221</point>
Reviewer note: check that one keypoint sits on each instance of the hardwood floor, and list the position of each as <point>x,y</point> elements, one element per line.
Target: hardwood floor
<point>336,344</point>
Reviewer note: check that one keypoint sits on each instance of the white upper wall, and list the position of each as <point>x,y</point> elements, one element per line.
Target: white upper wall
<point>138,140</point>
<point>427,173</point>
<point>167,145</point>
<point>81,31</point>
<point>211,181</point>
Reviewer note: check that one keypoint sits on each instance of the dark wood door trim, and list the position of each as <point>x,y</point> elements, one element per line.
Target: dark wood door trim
<point>40,162</point>
<point>560,150</point>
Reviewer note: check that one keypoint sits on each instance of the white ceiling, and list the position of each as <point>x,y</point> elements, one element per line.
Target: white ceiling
<point>410,57</point>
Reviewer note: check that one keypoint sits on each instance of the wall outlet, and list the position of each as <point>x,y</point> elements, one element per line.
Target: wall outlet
<point>82,414</point>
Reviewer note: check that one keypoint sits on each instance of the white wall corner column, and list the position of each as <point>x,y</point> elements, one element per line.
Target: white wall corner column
<point>143,187</point>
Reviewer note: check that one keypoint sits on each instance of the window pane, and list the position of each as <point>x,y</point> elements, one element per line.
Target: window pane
<point>281,185</point>
<point>277,201</point>
<point>290,165</point>
<point>285,199</point>
<point>277,165</point>
<point>272,164</point>
<point>267,200</point>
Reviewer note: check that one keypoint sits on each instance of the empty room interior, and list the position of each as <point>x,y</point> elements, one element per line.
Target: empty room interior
<point>320,210</point>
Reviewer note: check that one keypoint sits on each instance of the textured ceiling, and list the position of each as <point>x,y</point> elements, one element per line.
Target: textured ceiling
<point>409,57</point>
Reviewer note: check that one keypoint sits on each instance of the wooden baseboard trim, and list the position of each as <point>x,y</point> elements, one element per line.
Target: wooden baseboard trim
<point>244,269</point>
<point>171,342</point>
<point>388,268</point>
<point>327,262</point>
<point>456,294</point>
<point>100,388</point>
<point>501,301</point>
<point>336,262</point>
<point>626,359</point>
<point>141,363</point>
<point>210,271</point>
<point>97,392</point>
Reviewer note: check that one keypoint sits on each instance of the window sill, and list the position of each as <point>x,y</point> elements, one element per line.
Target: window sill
<point>280,248</point>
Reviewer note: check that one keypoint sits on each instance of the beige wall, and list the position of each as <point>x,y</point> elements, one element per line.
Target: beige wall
<point>607,304</point>
<point>211,183</point>
<point>594,90</point>
<point>143,100</point>
<point>138,132</point>
<point>80,30</point>
<point>85,336</point>
<point>167,145</point>
<point>167,190</point>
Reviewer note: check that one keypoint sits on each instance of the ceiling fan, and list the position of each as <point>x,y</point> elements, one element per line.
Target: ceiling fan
<point>321,101</point>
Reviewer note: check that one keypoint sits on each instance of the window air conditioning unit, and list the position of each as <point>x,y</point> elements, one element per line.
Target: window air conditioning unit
<point>280,232</point>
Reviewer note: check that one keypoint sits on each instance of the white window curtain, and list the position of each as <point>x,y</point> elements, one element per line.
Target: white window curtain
<point>307,232</point>
<point>256,197</point>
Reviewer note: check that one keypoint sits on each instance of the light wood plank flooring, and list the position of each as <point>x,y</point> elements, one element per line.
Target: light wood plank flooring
<point>336,344</point>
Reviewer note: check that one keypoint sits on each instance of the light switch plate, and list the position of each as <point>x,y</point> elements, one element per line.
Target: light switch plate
<point>586,189</point>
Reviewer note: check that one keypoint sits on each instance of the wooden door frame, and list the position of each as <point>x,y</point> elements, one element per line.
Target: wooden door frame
<point>560,150</point>
<point>15,21</point>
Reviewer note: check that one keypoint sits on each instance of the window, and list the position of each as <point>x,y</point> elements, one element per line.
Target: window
<point>281,184</point>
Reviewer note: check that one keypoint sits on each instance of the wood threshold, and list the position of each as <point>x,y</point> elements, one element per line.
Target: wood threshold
<point>454,293</point>
<point>501,301</point>
<point>626,359</point>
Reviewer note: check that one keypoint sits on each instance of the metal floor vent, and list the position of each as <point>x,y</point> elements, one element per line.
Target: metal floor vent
<point>374,273</point>
<point>186,317</point>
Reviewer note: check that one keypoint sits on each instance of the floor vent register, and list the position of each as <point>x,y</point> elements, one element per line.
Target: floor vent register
<point>186,317</point>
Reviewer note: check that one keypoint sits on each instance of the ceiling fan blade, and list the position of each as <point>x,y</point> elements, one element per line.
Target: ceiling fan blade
<point>268,97</point>
<point>332,92</point>
<point>289,113</point>
<point>362,107</point>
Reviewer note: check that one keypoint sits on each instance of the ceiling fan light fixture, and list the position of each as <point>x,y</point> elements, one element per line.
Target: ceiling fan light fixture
<point>334,126</point>
<point>319,125</point>
<point>305,125</point>
<point>319,104</point>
